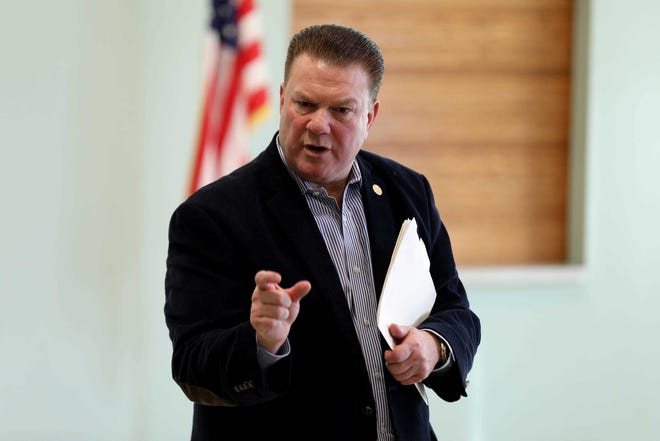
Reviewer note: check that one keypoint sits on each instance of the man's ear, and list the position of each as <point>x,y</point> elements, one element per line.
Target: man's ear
<point>371,116</point>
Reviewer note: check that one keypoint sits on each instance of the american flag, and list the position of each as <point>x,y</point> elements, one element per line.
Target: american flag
<point>235,90</point>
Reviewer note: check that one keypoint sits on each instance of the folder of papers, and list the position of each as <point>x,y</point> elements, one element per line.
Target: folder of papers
<point>408,292</point>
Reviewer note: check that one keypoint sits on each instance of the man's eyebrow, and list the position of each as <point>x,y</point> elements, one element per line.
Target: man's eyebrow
<point>299,95</point>
<point>342,102</point>
<point>348,102</point>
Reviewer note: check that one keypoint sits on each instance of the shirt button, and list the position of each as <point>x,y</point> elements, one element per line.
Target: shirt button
<point>367,411</point>
<point>316,193</point>
<point>356,269</point>
<point>383,429</point>
<point>377,375</point>
<point>366,322</point>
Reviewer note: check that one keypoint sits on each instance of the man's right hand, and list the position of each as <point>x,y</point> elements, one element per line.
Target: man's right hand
<point>274,309</point>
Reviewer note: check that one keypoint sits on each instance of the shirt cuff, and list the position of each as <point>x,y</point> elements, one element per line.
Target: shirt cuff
<point>450,354</point>
<point>266,358</point>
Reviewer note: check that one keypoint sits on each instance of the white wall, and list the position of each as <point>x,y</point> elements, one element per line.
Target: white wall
<point>98,111</point>
<point>70,241</point>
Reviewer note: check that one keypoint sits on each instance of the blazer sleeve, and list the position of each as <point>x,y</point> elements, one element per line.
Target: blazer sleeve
<point>451,315</point>
<point>208,289</point>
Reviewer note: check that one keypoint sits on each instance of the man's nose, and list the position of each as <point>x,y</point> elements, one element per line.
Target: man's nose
<point>319,122</point>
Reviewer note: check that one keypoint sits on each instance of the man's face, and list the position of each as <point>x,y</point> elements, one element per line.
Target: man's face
<point>325,115</point>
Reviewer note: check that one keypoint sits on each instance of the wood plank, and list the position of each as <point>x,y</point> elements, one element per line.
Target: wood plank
<point>472,108</point>
<point>473,36</point>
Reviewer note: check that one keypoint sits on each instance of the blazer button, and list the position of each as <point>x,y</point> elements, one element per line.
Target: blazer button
<point>367,411</point>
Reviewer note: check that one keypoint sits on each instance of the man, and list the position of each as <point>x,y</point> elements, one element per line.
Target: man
<point>274,272</point>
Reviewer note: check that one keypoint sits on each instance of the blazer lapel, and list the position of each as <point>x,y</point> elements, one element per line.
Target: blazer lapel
<point>381,224</point>
<point>295,220</point>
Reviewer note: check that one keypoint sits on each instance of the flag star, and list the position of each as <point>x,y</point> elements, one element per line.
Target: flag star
<point>228,31</point>
<point>224,11</point>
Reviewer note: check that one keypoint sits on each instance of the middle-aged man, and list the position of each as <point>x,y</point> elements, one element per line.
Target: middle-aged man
<point>274,273</point>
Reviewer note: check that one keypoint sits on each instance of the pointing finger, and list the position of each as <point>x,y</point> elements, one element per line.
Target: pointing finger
<point>299,290</point>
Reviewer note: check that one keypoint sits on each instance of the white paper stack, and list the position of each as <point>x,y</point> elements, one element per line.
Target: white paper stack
<point>408,292</point>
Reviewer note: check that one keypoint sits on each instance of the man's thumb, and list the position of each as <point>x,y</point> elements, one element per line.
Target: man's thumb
<point>398,332</point>
<point>299,290</point>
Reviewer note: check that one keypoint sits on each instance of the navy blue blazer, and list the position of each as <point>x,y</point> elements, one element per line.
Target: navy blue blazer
<point>256,218</point>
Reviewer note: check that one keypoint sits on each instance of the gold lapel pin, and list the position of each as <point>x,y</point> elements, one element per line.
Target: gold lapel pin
<point>377,189</point>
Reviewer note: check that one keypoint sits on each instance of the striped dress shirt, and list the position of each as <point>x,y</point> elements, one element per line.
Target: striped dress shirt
<point>344,230</point>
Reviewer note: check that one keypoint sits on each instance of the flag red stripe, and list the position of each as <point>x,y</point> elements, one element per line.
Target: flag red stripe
<point>228,106</point>
<point>244,8</point>
<point>250,52</point>
<point>209,96</point>
<point>257,100</point>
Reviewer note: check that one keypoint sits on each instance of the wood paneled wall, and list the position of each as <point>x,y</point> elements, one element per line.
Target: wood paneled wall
<point>475,97</point>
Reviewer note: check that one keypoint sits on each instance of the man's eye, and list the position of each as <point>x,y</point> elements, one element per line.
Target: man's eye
<point>303,104</point>
<point>343,110</point>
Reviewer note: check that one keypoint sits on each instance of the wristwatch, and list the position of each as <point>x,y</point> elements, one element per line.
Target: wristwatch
<point>444,353</point>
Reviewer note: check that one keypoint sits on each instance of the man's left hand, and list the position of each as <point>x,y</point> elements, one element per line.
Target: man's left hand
<point>414,357</point>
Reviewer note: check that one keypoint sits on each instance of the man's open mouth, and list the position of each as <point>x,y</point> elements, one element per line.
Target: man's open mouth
<point>316,148</point>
